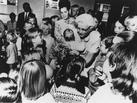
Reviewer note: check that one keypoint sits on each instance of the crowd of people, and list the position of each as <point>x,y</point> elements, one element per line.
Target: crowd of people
<point>66,58</point>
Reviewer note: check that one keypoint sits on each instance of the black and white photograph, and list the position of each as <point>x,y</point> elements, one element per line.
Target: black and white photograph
<point>68,51</point>
<point>51,4</point>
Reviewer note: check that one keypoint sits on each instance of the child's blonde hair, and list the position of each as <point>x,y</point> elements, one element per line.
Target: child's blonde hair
<point>11,37</point>
<point>33,82</point>
<point>129,19</point>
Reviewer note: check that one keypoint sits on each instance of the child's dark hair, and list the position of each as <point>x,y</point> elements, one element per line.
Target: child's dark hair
<point>75,67</point>
<point>71,38</point>
<point>75,6</point>
<point>11,36</point>
<point>32,30</point>
<point>12,15</point>
<point>47,20</point>
<point>108,41</point>
<point>54,16</point>
<point>72,68</point>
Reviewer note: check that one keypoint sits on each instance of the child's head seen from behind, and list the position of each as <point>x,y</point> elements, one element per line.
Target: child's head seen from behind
<point>106,44</point>
<point>33,79</point>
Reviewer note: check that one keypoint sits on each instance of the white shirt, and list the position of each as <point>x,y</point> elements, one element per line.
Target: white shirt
<point>105,95</point>
<point>18,44</point>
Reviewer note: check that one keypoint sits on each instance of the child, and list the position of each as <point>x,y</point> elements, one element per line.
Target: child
<point>2,44</point>
<point>109,70</point>
<point>69,35</point>
<point>8,90</point>
<point>27,26</point>
<point>3,65</point>
<point>120,66</point>
<point>119,26</point>
<point>34,47</point>
<point>33,20</point>
<point>69,86</point>
<point>18,44</point>
<point>11,25</point>
<point>131,23</point>
<point>96,76</point>
<point>124,36</point>
<point>33,83</point>
<point>45,21</point>
<point>54,18</point>
<point>47,36</point>
<point>12,52</point>
<point>71,42</point>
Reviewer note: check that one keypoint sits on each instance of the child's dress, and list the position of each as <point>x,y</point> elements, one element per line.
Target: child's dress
<point>12,54</point>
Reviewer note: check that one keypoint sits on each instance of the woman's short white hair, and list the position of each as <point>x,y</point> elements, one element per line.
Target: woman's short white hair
<point>85,19</point>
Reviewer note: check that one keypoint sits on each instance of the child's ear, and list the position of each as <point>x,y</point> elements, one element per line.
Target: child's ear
<point>112,68</point>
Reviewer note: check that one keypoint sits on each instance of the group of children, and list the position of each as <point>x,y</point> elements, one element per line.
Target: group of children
<point>29,51</point>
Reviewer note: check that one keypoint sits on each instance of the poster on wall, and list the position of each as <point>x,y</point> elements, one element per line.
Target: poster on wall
<point>51,4</point>
<point>3,2</point>
<point>125,10</point>
<point>12,2</point>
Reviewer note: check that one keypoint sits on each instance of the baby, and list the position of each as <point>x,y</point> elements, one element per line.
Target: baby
<point>71,42</point>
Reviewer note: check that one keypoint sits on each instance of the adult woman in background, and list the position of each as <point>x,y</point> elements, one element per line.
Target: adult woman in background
<point>65,21</point>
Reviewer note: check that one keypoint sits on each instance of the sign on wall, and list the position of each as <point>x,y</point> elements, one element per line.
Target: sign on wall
<point>51,4</point>
<point>9,2</point>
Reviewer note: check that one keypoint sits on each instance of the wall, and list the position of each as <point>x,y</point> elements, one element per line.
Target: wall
<point>36,5</point>
<point>19,7</point>
<point>5,10</point>
<point>40,11</point>
<point>87,4</point>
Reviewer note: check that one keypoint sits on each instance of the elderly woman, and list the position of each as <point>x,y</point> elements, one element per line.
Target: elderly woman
<point>86,28</point>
